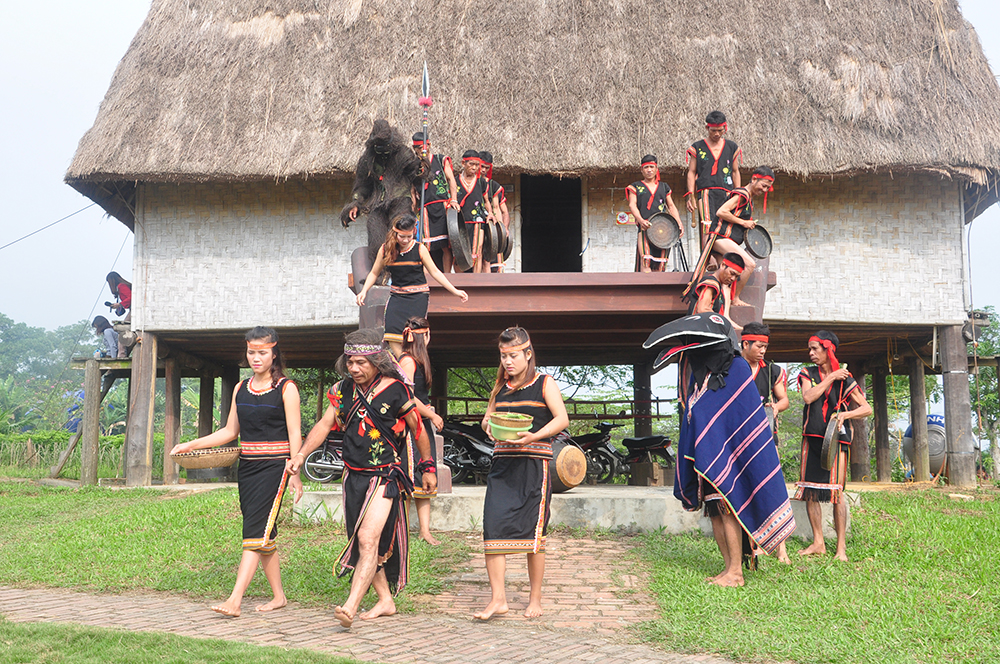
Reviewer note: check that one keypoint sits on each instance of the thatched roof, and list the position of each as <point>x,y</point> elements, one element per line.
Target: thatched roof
<point>254,89</point>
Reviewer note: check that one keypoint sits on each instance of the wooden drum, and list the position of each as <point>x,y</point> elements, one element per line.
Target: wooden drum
<point>568,466</point>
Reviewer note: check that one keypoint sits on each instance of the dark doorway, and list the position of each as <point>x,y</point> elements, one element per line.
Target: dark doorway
<point>551,224</point>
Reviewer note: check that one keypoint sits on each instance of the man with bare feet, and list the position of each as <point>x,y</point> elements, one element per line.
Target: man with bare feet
<point>374,408</point>
<point>828,390</point>
<point>726,457</point>
<point>713,170</point>
<point>771,382</point>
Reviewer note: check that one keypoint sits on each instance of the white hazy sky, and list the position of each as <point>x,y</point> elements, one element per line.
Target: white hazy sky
<point>55,73</point>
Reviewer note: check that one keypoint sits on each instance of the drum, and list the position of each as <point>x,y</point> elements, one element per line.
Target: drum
<point>459,241</point>
<point>758,242</point>
<point>831,444</point>
<point>568,466</point>
<point>663,231</point>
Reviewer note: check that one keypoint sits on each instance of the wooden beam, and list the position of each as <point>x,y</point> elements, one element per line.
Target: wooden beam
<point>230,379</point>
<point>918,420</point>
<point>206,400</point>
<point>957,407</point>
<point>89,452</point>
<point>861,455</point>
<point>139,455</point>
<point>172,419</point>
<point>642,393</point>
<point>883,460</point>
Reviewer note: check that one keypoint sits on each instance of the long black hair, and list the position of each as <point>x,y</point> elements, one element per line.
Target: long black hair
<point>390,248</point>
<point>268,335</point>
<point>513,336</point>
<point>416,346</point>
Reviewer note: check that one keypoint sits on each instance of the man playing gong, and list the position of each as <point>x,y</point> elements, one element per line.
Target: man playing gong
<point>828,390</point>
<point>440,193</point>
<point>645,198</point>
<point>713,170</point>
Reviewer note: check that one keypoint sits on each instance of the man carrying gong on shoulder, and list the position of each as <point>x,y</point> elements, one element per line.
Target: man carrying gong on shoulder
<point>645,198</point>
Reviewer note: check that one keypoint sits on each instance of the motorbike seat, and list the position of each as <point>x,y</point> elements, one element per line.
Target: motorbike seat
<point>646,442</point>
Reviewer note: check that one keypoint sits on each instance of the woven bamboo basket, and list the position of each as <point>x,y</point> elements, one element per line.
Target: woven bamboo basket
<point>511,420</point>
<point>213,457</point>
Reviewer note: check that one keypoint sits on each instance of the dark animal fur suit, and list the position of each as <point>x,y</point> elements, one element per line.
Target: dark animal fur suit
<point>385,173</point>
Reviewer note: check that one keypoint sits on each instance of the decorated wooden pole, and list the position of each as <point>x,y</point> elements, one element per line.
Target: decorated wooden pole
<point>425,102</point>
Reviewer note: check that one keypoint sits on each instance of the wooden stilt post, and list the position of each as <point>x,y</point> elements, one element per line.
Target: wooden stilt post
<point>139,452</point>
<point>883,460</point>
<point>321,400</point>
<point>91,424</point>
<point>230,379</point>
<point>206,402</point>
<point>918,420</point>
<point>861,454</point>
<point>642,393</point>
<point>439,390</point>
<point>957,407</point>
<point>172,418</point>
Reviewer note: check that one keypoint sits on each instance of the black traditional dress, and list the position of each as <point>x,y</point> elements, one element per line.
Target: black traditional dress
<point>766,375</point>
<point>261,474</point>
<point>713,175</point>
<point>743,210</point>
<point>711,283</point>
<point>408,293</point>
<point>518,488</point>
<point>815,483</point>
<point>472,209</point>
<point>374,439</point>
<point>421,393</point>
<point>436,194</point>
<point>649,202</point>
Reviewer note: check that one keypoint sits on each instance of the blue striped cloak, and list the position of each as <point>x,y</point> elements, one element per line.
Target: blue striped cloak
<point>725,440</point>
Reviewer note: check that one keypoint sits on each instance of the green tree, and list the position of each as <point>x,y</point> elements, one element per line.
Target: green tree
<point>983,389</point>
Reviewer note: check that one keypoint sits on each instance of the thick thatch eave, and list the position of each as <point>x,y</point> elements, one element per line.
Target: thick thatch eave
<point>246,89</point>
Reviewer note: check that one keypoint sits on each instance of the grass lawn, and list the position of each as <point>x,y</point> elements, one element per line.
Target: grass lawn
<point>104,540</point>
<point>921,587</point>
<point>67,644</point>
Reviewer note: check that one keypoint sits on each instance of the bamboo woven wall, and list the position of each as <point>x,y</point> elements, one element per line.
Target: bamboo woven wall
<point>869,249</point>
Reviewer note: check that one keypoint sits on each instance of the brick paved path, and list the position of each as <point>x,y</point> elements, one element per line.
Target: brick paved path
<point>588,598</point>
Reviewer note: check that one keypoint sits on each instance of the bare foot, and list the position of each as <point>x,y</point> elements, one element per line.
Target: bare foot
<point>740,303</point>
<point>712,579</point>
<point>841,556</point>
<point>534,610</point>
<point>814,549</point>
<point>494,608</point>
<point>729,580</point>
<point>783,554</point>
<point>430,539</point>
<point>341,614</point>
<point>383,608</point>
<point>228,609</point>
<point>273,605</point>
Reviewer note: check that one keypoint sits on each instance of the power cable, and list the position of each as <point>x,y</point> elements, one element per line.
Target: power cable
<point>49,226</point>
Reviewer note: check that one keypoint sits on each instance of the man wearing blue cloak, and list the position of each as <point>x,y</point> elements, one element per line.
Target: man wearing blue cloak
<point>726,458</point>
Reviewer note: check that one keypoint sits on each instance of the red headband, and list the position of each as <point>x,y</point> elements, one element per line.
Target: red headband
<point>733,265</point>
<point>709,125</point>
<point>523,346</point>
<point>251,345</point>
<point>475,159</point>
<point>830,348</point>
<point>755,337</point>
<point>416,143</point>
<point>408,332</point>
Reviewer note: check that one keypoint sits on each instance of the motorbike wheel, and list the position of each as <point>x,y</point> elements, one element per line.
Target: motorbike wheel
<point>323,466</point>
<point>451,453</point>
<point>607,465</point>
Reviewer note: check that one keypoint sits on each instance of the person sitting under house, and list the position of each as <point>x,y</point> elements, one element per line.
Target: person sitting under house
<point>714,292</point>
<point>108,336</point>
<point>440,193</point>
<point>646,198</point>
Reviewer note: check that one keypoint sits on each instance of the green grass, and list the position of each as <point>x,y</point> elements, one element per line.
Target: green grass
<point>65,644</point>
<point>104,540</point>
<point>920,587</point>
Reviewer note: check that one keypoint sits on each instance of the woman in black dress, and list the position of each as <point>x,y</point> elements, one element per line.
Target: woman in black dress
<point>518,488</point>
<point>406,260</point>
<point>265,415</point>
<point>416,364</point>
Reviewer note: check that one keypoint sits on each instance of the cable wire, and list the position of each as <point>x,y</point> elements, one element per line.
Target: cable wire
<point>49,226</point>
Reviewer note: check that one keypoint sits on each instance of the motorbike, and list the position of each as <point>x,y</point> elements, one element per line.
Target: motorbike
<point>646,448</point>
<point>326,462</point>
<point>468,451</point>
<point>604,461</point>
